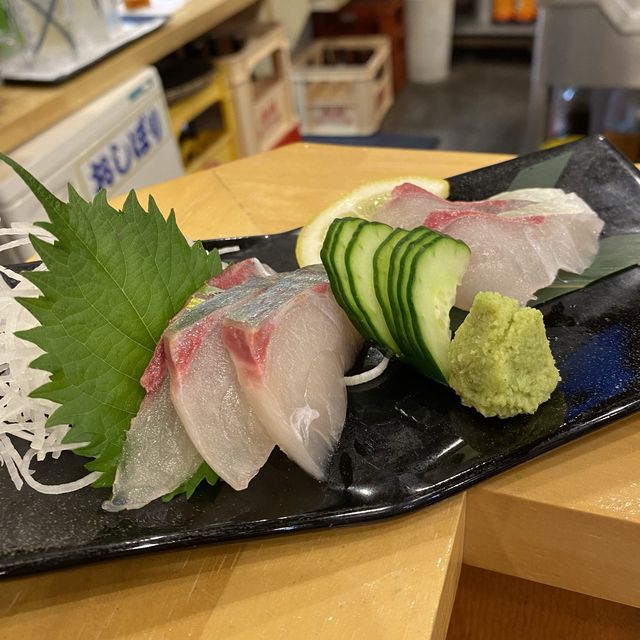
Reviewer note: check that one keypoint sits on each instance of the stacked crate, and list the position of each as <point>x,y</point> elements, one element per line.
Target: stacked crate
<point>205,142</point>
<point>258,72</point>
<point>343,86</point>
<point>366,17</point>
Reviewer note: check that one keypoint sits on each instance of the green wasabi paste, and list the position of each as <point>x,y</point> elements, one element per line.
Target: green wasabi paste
<point>501,363</point>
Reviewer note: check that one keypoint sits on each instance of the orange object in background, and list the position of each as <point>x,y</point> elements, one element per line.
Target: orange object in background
<point>504,10</point>
<point>526,10</point>
<point>514,10</point>
<point>136,4</point>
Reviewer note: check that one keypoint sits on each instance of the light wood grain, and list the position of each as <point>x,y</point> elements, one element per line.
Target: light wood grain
<point>493,606</point>
<point>382,581</point>
<point>282,189</point>
<point>570,518</point>
<point>204,206</point>
<point>26,110</point>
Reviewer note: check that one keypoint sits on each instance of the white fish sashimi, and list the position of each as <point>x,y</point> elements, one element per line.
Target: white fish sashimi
<point>572,227</point>
<point>519,239</point>
<point>158,455</point>
<point>205,390</point>
<point>409,205</point>
<point>291,346</point>
<point>239,272</point>
<point>518,254</point>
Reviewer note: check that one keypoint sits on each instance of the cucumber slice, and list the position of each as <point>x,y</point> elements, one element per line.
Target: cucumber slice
<point>402,330</point>
<point>326,255</point>
<point>333,257</point>
<point>415,243</point>
<point>359,266</point>
<point>381,265</point>
<point>436,272</point>
<point>397,287</point>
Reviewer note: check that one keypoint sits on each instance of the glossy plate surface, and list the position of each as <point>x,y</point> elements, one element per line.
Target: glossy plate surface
<point>407,442</point>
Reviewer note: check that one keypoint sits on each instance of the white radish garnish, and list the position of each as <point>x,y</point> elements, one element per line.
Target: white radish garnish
<point>231,249</point>
<point>367,376</point>
<point>21,417</point>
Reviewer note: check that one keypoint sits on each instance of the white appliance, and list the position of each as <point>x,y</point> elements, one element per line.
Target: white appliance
<point>121,141</point>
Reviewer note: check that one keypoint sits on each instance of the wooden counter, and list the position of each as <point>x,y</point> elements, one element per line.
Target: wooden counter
<point>570,518</point>
<point>26,110</point>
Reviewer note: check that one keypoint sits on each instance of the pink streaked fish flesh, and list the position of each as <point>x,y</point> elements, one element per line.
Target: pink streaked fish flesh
<point>158,455</point>
<point>205,390</point>
<point>291,346</point>
<point>409,205</point>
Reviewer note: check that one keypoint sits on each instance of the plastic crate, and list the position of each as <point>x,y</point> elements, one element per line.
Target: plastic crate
<point>205,143</point>
<point>259,80</point>
<point>343,86</point>
<point>368,17</point>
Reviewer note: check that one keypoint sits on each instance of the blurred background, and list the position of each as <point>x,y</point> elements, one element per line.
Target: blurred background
<point>119,94</point>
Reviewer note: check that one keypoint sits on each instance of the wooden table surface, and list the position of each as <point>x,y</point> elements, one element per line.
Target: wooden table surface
<point>26,110</point>
<point>570,518</point>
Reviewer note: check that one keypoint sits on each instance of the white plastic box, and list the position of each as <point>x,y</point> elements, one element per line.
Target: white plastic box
<point>262,102</point>
<point>343,86</point>
<point>119,142</point>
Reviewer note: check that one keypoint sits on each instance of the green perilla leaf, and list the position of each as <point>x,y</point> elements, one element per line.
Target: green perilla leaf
<point>114,279</point>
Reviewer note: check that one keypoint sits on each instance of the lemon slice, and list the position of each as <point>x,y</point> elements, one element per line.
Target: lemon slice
<point>360,203</point>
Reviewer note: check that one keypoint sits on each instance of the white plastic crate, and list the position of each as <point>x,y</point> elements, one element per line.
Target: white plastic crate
<point>343,86</point>
<point>259,77</point>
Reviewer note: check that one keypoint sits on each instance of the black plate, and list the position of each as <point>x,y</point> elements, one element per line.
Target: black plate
<point>407,442</point>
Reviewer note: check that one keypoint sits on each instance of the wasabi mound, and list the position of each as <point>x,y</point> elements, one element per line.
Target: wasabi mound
<point>501,363</point>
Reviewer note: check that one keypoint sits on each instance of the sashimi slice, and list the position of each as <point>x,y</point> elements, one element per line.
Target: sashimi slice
<point>291,346</point>
<point>535,194</point>
<point>240,272</point>
<point>158,455</point>
<point>409,205</point>
<point>517,255</point>
<point>205,390</point>
<point>439,220</point>
<point>570,224</point>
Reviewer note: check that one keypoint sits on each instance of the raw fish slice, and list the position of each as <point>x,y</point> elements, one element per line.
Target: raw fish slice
<point>570,223</point>
<point>517,255</point>
<point>574,238</point>
<point>240,272</point>
<point>157,456</point>
<point>291,346</point>
<point>563,230</point>
<point>535,194</point>
<point>409,205</point>
<point>205,390</point>
<point>439,220</point>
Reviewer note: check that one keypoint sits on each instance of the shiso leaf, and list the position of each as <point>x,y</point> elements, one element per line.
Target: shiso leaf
<point>114,279</point>
<point>204,473</point>
<point>615,253</point>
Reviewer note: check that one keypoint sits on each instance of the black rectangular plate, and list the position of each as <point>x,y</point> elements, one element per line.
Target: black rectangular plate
<point>407,442</point>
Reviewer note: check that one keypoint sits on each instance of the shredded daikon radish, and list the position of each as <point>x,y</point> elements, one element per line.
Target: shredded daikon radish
<point>367,376</point>
<point>21,417</point>
<point>55,488</point>
<point>231,249</point>
<point>10,458</point>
